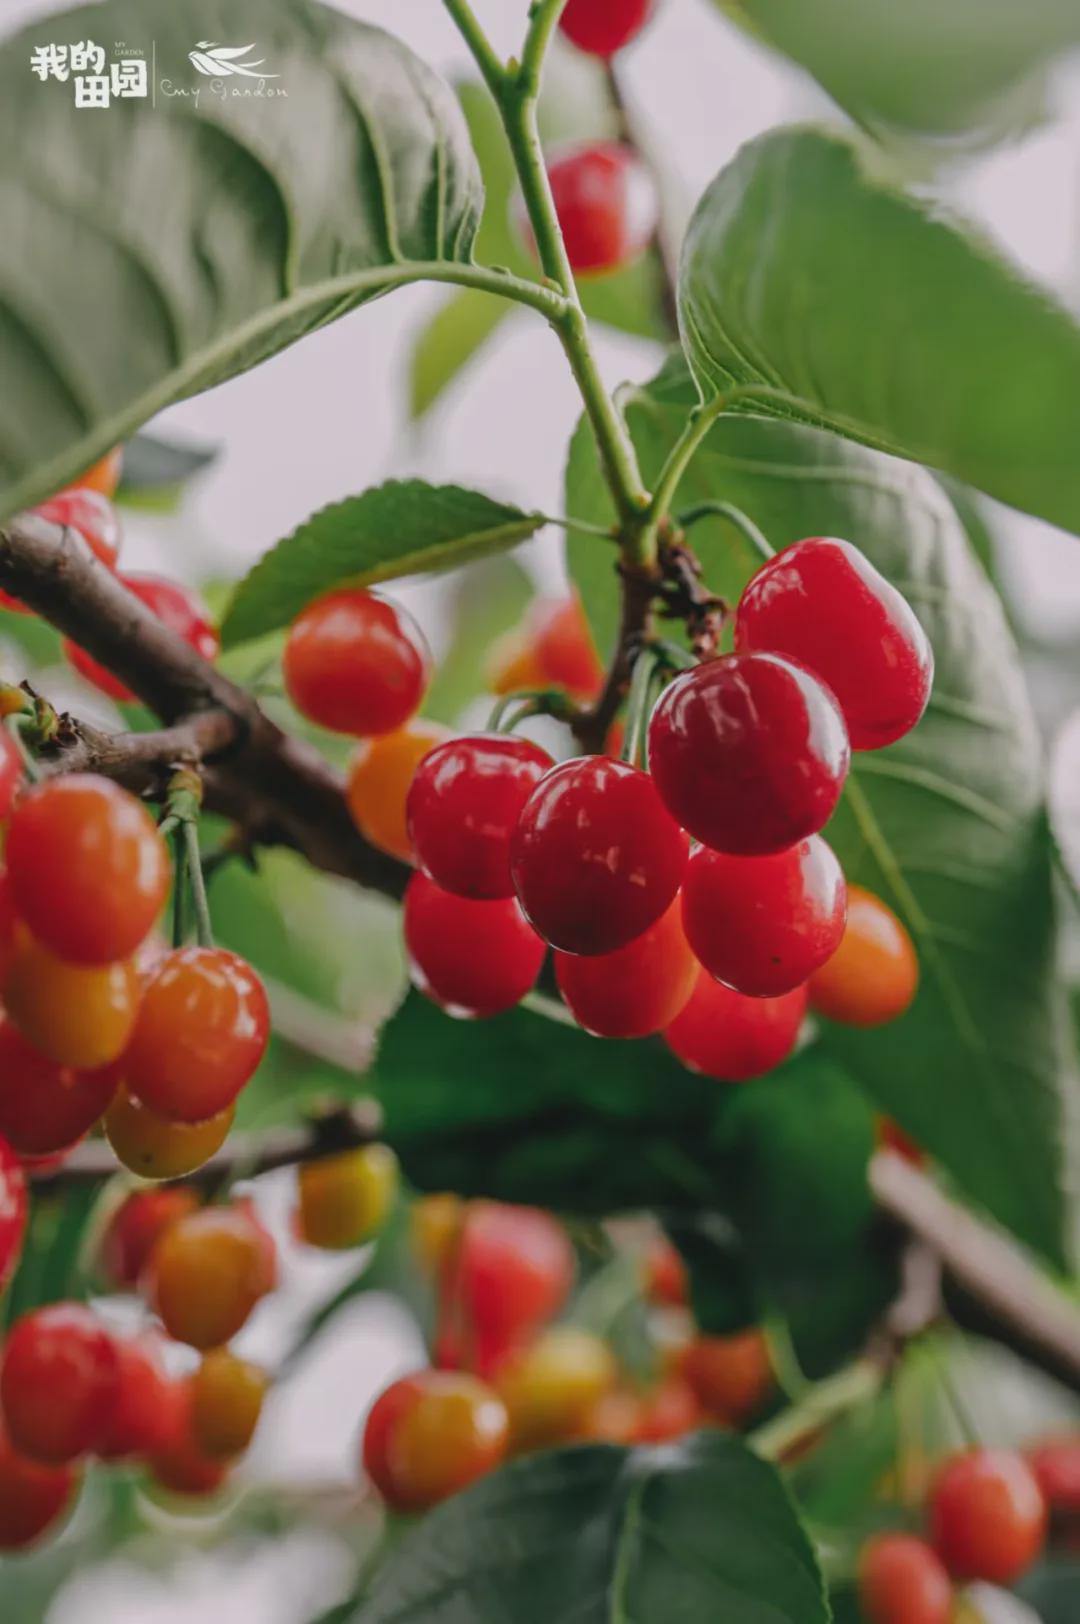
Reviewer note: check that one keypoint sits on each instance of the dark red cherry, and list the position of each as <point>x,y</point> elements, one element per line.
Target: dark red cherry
<point>730,1037</point>
<point>637,990</point>
<point>473,958</point>
<point>821,602</point>
<point>764,924</point>
<point>749,753</point>
<point>463,805</point>
<point>595,857</point>
<point>606,202</point>
<point>602,27</point>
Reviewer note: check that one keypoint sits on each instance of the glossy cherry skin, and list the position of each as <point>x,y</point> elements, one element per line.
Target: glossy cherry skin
<point>45,1107</point>
<point>12,1211</point>
<point>903,1581</point>
<point>11,771</point>
<point>637,990</point>
<point>873,975</point>
<point>463,806</point>
<point>749,753</point>
<point>137,1423</point>
<point>202,1030</point>
<point>731,1375</point>
<point>227,1396</point>
<point>346,1199</point>
<point>59,1379</point>
<point>732,1038</point>
<point>822,603</point>
<point>33,1498</point>
<point>763,924</point>
<point>208,1272</point>
<point>103,475</point>
<point>474,958</point>
<point>1056,1465</point>
<point>595,858</point>
<point>603,27</point>
<point>379,778</point>
<point>182,610</point>
<point>79,1015</point>
<point>606,202</point>
<point>90,513</point>
<point>987,1515</point>
<point>178,1463</point>
<point>9,926</point>
<point>448,1430</point>
<point>510,1272</point>
<point>135,1229</point>
<point>158,1147</point>
<point>87,868</point>
<point>356,663</point>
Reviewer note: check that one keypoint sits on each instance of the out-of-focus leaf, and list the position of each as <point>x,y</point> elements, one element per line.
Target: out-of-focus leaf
<point>485,600</point>
<point>152,463</point>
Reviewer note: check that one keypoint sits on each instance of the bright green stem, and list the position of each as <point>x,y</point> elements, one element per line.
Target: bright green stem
<point>698,424</point>
<point>637,704</point>
<point>735,516</point>
<point>824,1403</point>
<point>197,885</point>
<point>180,885</point>
<point>515,708</point>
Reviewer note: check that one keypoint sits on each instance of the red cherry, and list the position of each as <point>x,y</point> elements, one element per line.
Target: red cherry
<point>88,870</point>
<point>637,990</point>
<point>1056,1465</point>
<point>58,1383</point>
<point>182,610</point>
<point>987,1515</point>
<point>11,771</point>
<point>137,1425</point>
<point>356,664</point>
<point>763,924</point>
<point>202,1030</point>
<point>135,1227</point>
<point>45,1107</point>
<point>749,753</point>
<point>473,958</point>
<point>510,1272</point>
<point>824,604</point>
<point>732,1038</point>
<point>92,515</point>
<point>382,1421</point>
<point>595,857</point>
<point>438,1433</point>
<point>177,1463</point>
<point>8,927</point>
<point>463,804</point>
<point>874,973</point>
<point>666,1278</point>
<point>12,1211</point>
<point>602,27</point>
<point>33,1497</point>
<point>606,202</point>
<point>902,1581</point>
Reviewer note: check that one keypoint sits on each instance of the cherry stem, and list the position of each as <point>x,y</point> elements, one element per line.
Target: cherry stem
<point>735,516</point>
<point>514,708</point>
<point>639,704</point>
<point>19,725</point>
<point>204,931</point>
<point>180,888</point>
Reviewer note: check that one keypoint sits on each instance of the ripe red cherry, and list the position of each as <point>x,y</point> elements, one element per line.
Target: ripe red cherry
<point>602,27</point>
<point>8,927</point>
<point>463,805</point>
<point>182,610</point>
<point>826,606</point>
<point>137,1423</point>
<point>58,1383</point>
<point>902,1581</point>
<point>637,990</point>
<point>510,1272</point>
<point>33,1497</point>
<point>92,515</point>
<point>11,771</point>
<point>430,1435</point>
<point>987,1515</point>
<point>12,1211</point>
<point>749,753</point>
<point>732,1038</point>
<point>202,1030</point>
<point>356,664</point>
<point>88,870</point>
<point>595,857</point>
<point>1056,1465</point>
<point>606,202</point>
<point>135,1228</point>
<point>763,924</point>
<point>177,1462</point>
<point>473,958</point>
<point>46,1107</point>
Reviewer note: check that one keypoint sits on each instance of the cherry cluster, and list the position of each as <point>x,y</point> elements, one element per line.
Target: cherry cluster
<point>987,1516</point>
<point>720,947</point>
<point>506,1378</point>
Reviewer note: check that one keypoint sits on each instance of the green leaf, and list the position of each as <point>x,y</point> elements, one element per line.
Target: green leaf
<point>404,527</point>
<point>455,333</point>
<point>164,246</point>
<point>948,825</point>
<point>691,1531</point>
<point>835,299</point>
<point>153,463</point>
<point>921,66</point>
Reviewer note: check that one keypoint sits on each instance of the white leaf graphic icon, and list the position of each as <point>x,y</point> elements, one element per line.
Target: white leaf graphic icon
<point>221,61</point>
